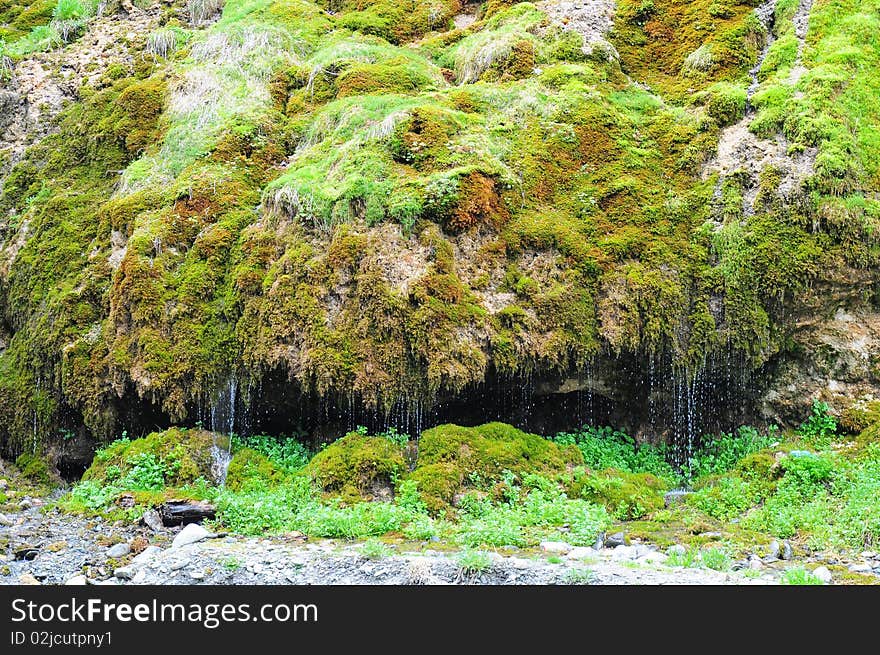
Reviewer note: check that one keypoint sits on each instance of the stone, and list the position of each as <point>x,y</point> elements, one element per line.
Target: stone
<point>25,504</point>
<point>714,536</point>
<point>625,552</point>
<point>600,542</point>
<point>773,549</point>
<point>124,572</point>
<point>118,550</point>
<point>152,520</point>
<point>823,574</point>
<point>755,563</point>
<point>145,555</point>
<point>139,577</point>
<point>557,547</point>
<point>580,552</point>
<point>77,580</point>
<point>787,552</point>
<point>868,554</point>
<point>5,520</point>
<point>191,534</point>
<point>27,579</point>
<point>861,568</point>
<point>615,540</point>
<point>4,484</point>
<point>197,575</point>
<point>677,549</point>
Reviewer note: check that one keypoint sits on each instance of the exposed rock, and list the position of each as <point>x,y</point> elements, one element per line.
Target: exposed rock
<point>861,568</point>
<point>152,520</point>
<point>5,520</point>
<point>124,572</point>
<point>823,574</point>
<point>559,547</point>
<point>145,555</point>
<point>773,550</point>
<point>27,503</point>
<point>615,540</point>
<point>787,552</point>
<point>27,579</point>
<point>191,534</point>
<point>118,550</point>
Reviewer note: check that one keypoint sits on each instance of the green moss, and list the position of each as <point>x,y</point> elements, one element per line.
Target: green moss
<point>249,469</point>
<point>357,466</point>
<point>185,456</point>
<point>34,468</point>
<point>624,495</point>
<point>452,458</point>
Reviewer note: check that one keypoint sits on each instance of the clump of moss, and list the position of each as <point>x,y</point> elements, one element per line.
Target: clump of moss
<point>34,467</point>
<point>183,456</point>
<point>357,467</point>
<point>453,458</point>
<point>625,495</point>
<point>250,469</point>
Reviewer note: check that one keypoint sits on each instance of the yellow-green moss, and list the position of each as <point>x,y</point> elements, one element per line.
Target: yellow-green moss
<point>187,455</point>
<point>357,467</point>
<point>249,468</point>
<point>34,468</point>
<point>624,495</point>
<point>452,458</point>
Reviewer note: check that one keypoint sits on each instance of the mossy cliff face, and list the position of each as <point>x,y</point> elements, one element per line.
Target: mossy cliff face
<point>358,204</point>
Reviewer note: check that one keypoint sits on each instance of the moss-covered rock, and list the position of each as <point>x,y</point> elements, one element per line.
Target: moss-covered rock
<point>357,467</point>
<point>34,468</point>
<point>250,469</point>
<point>453,458</point>
<point>624,495</point>
<point>178,455</point>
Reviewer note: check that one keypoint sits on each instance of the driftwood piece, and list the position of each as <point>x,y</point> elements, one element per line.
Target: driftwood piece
<point>181,512</point>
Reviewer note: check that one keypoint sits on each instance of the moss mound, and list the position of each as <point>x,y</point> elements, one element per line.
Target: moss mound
<point>357,467</point>
<point>624,495</point>
<point>250,469</point>
<point>173,458</point>
<point>453,458</point>
<point>34,468</point>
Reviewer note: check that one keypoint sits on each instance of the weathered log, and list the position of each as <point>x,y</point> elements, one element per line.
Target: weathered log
<point>181,512</point>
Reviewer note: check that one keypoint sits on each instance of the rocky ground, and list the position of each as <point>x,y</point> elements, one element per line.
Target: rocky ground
<point>40,545</point>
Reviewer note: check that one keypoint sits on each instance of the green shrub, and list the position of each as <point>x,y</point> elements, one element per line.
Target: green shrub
<point>249,469</point>
<point>799,576</point>
<point>624,495</point>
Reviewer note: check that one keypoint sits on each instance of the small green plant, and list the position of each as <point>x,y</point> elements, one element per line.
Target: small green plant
<point>231,563</point>
<point>375,549</point>
<point>473,562</point>
<point>799,576</point>
<point>554,559</point>
<point>715,559</point>
<point>580,576</point>
<point>687,559</point>
<point>820,426</point>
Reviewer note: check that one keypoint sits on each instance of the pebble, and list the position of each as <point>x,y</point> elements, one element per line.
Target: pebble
<point>869,554</point>
<point>118,550</point>
<point>25,504</point>
<point>755,563</point>
<point>139,577</point>
<point>27,579</point>
<point>77,580</point>
<point>4,484</point>
<point>190,534</point>
<point>823,574</point>
<point>559,547</point>
<point>774,549</point>
<point>5,520</point>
